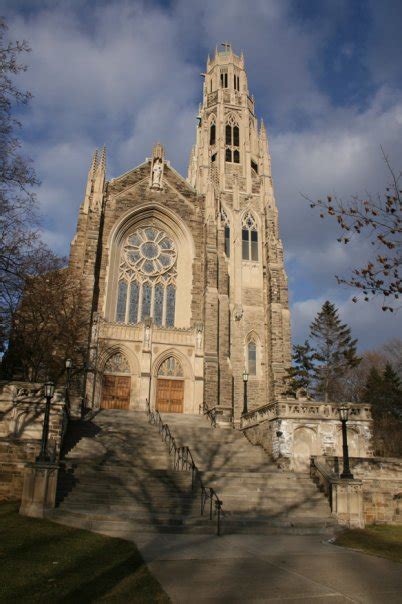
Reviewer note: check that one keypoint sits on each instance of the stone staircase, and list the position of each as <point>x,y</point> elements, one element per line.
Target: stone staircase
<point>257,496</point>
<point>117,478</point>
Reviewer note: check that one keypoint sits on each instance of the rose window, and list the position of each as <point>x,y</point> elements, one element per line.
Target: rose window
<point>147,282</point>
<point>150,251</point>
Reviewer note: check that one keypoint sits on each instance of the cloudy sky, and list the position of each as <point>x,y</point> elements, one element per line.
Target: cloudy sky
<point>326,76</point>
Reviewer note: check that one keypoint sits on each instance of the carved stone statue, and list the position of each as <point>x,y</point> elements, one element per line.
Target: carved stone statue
<point>157,170</point>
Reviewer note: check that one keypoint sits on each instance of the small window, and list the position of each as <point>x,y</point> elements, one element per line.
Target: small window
<point>227,241</point>
<point>121,302</point>
<point>254,166</point>
<point>245,244</point>
<point>236,137</point>
<point>211,86</point>
<point>213,157</point>
<point>236,156</point>
<point>212,134</point>
<point>224,79</point>
<point>252,358</point>
<point>249,238</point>
<point>170,305</point>
<point>134,295</point>
<point>228,136</point>
<point>254,246</point>
<point>228,155</point>
<point>146,301</point>
<point>158,303</point>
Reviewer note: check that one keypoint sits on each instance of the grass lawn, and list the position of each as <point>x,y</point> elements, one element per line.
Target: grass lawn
<point>45,562</point>
<point>381,540</point>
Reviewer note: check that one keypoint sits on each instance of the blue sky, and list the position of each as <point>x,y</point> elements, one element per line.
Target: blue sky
<point>326,76</point>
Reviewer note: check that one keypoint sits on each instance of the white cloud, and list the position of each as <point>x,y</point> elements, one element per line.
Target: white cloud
<point>126,73</point>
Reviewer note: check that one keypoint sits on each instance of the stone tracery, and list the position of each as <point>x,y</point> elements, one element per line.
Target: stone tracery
<point>147,277</point>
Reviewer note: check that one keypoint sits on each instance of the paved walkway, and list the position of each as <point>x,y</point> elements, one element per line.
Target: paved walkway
<point>249,568</point>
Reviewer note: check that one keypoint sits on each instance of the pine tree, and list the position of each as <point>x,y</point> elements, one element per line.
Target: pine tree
<point>391,391</point>
<point>300,375</point>
<point>374,387</point>
<point>334,351</point>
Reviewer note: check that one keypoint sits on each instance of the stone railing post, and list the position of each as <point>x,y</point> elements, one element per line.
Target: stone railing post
<point>347,502</point>
<point>39,490</point>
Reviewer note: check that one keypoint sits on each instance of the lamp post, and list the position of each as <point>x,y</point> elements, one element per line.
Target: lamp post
<point>49,392</point>
<point>69,366</point>
<point>245,380</point>
<point>344,416</point>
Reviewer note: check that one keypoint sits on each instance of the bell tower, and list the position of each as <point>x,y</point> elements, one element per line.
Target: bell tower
<point>227,140</point>
<point>246,288</point>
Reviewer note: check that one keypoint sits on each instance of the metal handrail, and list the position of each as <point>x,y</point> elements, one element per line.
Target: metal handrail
<point>210,413</point>
<point>183,461</point>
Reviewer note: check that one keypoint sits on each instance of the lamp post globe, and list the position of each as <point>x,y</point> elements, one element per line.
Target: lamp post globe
<point>245,380</point>
<point>344,416</point>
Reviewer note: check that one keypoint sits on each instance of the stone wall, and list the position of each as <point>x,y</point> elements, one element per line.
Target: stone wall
<point>381,484</point>
<point>293,430</point>
<point>21,421</point>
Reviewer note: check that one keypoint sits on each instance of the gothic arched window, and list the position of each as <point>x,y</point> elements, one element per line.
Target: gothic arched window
<point>232,140</point>
<point>249,235</point>
<point>170,368</point>
<point>212,134</point>
<point>252,357</point>
<point>147,279</point>
<point>225,221</point>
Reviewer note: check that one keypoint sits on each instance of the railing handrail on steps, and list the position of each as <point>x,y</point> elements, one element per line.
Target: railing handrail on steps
<point>183,460</point>
<point>323,475</point>
<point>210,413</point>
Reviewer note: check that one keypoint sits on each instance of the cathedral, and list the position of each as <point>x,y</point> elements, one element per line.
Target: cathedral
<point>183,278</point>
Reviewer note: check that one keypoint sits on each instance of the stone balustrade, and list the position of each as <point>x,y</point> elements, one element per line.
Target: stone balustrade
<point>304,408</point>
<point>292,430</point>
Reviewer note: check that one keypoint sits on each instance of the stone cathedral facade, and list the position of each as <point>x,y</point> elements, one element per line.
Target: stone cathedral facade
<point>183,278</point>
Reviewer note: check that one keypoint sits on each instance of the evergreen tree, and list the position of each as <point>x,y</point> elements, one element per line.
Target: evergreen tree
<point>373,388</point>
<point>391,391</point>
<point>300,375</point>
<point>334,351</point>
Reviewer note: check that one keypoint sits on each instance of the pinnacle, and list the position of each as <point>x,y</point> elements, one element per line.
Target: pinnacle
<point>94,163</point>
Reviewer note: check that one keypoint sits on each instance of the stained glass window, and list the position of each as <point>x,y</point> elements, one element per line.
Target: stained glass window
<point>147,265</point>
<point>146,300</point>
<point>121,302</point>
<point>117,364</point>
<point>134,295</point>
<point>158,304</point>
<point>170,368</point>
<point>170,305</point>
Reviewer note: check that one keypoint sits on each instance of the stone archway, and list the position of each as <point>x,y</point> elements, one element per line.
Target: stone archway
<point>304,446</point>
<point>170,386</point>
<point>116,383</point>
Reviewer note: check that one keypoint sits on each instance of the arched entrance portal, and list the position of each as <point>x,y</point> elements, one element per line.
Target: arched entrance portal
<point>116,383</point>
<point>170,387</point>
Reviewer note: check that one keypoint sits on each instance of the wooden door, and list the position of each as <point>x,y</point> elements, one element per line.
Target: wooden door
<point>116,392</point>
<point>169,396</point>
